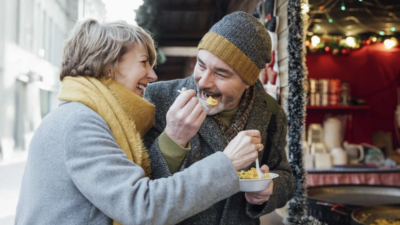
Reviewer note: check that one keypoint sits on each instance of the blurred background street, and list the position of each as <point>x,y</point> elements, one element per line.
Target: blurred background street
<point>11,172</point>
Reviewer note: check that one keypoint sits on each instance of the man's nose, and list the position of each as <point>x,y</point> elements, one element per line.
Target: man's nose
<point>206,80</point>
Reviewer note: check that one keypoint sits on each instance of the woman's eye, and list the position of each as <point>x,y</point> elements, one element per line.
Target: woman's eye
<point>144,62</point>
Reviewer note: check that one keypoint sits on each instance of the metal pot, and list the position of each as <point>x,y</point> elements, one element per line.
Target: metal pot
<point>334,204</point>
<point>368,215</point>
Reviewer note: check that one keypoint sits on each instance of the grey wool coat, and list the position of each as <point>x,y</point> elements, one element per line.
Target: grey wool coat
<point>77,174</point>
<point>209,140</point>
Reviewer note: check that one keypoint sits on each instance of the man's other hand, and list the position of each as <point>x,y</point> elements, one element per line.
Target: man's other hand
<point>260,197</point>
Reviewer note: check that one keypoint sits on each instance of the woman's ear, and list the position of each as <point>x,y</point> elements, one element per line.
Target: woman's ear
<point>110,73</point>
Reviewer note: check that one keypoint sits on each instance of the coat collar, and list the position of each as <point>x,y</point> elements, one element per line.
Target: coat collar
<point>258,120</point>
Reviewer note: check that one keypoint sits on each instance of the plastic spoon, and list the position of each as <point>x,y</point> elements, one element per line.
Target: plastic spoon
<point>259,173</point>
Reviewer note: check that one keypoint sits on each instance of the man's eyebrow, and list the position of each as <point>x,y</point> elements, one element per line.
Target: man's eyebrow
<point>198,59</point>
<point>219,69</point>
<point>222,70</point>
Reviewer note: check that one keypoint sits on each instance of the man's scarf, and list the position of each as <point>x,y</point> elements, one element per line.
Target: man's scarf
<point>239,120</point>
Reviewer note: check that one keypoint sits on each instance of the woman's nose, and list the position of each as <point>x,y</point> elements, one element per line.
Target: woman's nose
<point>152,75</point>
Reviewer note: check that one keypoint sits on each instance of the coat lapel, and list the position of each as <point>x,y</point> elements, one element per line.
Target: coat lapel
<point>260,116</point>
<point>209,130</point>
<point>212,135</point>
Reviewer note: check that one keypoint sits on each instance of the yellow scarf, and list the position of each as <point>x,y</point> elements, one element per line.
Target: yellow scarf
<point>127,114</point>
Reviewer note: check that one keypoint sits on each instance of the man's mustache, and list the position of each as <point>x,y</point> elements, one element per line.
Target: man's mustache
<point>209,91</point>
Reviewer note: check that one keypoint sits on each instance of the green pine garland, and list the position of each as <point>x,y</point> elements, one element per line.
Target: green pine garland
<point>296,113</point>
<point>147,17</point>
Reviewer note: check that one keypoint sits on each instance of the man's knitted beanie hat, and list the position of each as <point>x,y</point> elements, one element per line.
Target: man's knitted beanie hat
<point>242,42</point>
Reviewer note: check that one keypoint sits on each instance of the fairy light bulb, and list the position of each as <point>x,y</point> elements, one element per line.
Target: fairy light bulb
<point>390,43</point>
<point>315,40</point>
<point>305,8</point>
<point>351,42</point>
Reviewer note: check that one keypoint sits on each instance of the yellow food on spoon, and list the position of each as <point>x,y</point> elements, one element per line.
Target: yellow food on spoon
<point>251,174</point>
<point>211,100</point>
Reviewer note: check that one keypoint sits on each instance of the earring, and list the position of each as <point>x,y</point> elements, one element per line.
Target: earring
<point>109,75</point>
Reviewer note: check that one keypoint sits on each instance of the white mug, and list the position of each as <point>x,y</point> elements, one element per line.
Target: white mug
<point>355,153</point>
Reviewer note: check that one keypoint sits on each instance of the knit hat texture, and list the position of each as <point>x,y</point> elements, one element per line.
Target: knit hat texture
<point>242,42</point>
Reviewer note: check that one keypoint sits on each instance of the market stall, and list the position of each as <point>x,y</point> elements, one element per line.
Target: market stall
<point>351,133</point>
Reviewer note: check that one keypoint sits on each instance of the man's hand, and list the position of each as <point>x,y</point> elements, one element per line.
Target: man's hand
<point>242,150</point>
<point>258,198</point>
<point>184,118</point>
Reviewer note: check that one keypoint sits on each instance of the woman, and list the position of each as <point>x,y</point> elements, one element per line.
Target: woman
<point>86,162</point>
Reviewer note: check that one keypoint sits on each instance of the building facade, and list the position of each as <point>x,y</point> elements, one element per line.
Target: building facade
<point>32,34</point>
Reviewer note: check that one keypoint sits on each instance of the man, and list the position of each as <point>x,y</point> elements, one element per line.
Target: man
<point>229,61</point>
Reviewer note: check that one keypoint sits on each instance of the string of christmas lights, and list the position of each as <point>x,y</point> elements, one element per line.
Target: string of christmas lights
<point>320,41</point>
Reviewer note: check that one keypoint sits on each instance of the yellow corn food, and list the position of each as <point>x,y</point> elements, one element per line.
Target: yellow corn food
<point>251,174</point>
<point>378,221</point>
<point>211,100</point>
<point>385,222</point>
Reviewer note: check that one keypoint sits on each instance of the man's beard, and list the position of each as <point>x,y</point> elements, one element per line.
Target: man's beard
<point>221,106</point>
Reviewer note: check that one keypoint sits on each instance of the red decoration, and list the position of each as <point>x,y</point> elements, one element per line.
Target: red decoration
<point>321,7</point>
<point>328,49</point>
<point>368,42</point>
<point>345,51</point>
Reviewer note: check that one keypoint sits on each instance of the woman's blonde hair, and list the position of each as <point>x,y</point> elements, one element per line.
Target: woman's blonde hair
<point>93,48</point>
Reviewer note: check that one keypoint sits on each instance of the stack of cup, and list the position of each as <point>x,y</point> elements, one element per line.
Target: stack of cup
<point>334,91</point>
<point>313,94</point>
<point>324,91</point>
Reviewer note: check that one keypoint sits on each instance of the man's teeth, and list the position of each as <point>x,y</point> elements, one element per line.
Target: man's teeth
<point>141,87</point>
<point>207,95</point>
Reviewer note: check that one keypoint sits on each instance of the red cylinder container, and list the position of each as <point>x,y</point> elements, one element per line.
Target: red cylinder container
<point>334,86</point>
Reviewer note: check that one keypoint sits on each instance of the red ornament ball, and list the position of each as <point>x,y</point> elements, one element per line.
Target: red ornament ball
<point>327,49</point>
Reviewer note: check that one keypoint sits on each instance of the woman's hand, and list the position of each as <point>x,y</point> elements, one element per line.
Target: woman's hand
<point>242,150</point>
<point>258,198</point>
